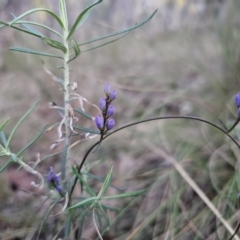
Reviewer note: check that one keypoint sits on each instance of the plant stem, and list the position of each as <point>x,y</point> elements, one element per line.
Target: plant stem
<point>66,87</point>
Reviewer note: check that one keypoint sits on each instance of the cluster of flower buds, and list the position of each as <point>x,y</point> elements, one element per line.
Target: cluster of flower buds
<point>104,122</point>
<point>237,102</point>
<point>53,180</point>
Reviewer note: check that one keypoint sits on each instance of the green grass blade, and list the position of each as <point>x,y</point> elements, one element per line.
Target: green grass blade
<point>106,183</point>
<point>33,141</point>
<point>82,113</point>
<point>5,165</point>
<point>120,32</point>
<point>104,214</point>
<point>124,195</point>
<point>81,17</point>
<point>87,130</point>
<point>54,44</point>
<point>30,51</point>
<point>68,226</point>
<point>88,189</point>
<point>38,10</point>
<point>20,121</point>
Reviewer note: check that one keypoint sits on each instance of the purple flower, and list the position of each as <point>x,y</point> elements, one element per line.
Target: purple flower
<point>53,179</point>
<point>107,88</point>
<point>110,110</point>
<point>237,100</point>
<point>112,95</point>
<point>102,104</point>
<point>110,124</point>
<point>99,122</point>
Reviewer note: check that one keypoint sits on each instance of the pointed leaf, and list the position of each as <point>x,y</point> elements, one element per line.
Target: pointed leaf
<point>122,31</point>
<point>87,130</point>
<point>4,124</point>
<point>84,202</point>
<point>38,10</point>
<point>81,17</point>
<point>54,44</point>
<point>76,49</point>
<point>33,141</point>
<point>63,12</point>
<point>3,138</point>
<point>82,113</point>
<point>124,195</point>
<point>5,165</point>
<point>30,51</point>
<point>106,183</point>
<point>104,214</point>
<point>88,189</point>
<point>20,121</point>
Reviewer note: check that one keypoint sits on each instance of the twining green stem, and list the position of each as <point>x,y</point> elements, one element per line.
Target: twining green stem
<point>66,85</point>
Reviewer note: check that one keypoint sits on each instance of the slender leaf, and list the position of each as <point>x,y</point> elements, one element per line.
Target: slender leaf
<point>63,12</point>
<point>3,138</point>
<point>99,219</point>
<point>83,203</point>
<point>81,17</point>
<point>4,124</point>
<point>33,30</point>
<point>88,189</point>
<point>110,208</point>
<point>20,121</point>
<point>106,183</point>
<point>3,151</point>
<point>124,195</point>
<point>87,130</point>
<point>38,10</point>
<point>104,214</point>
<point>68,226</point>
<point>5,165</point>
<point>82,113</point>
<point>63,162</point>
<point>54,44</point>
<point>30,51</point>
<point>33,141</point>
<point>104,44</point>
<point>76,49</point>
<point>120,32</point>
<point>80,228</point>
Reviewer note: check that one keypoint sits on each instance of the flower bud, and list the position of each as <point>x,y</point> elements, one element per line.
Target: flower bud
<point>107,88</point>
<point>99,122</point>
<point>110,110</point>
<point>110,124</point>
<point>237,100</point>
<point>102,104</point>
<point>112,95</point>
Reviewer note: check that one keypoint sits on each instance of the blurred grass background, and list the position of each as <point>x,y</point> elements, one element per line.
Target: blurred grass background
<point>185,61</point>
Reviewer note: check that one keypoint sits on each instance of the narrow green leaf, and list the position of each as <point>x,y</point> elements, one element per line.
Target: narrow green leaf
<point>54,44</point>
<point>3,138</point>
<point>104,44</point>
<point>63,162</point>
<point>30,51</point>
<point>76,49</point>
<point>83,203</point>
<point>38,10</point>
<point>99,219</point>
<point>68,226</point>
<point>5,165</point>
<point>87,130</point>
<point>63,12</point>
<point>80,228</point>
<point>51,155</point>
<point>106,183</point>
<point>19,122</point>
<point>33,30</point>
<point>4,124</point>
<point>120,32</point>
<point>124,195</point>
<point>82,113</point>
<point>104,214</point>
<point>110,207</point>
<point>88,189</point>
<point>33,141</point>
<point>81,17</point>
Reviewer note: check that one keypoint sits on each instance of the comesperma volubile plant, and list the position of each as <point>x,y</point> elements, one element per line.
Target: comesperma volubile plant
<point>89,205</point>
